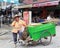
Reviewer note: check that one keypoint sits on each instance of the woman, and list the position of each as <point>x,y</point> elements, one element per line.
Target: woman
<point>17,25</point>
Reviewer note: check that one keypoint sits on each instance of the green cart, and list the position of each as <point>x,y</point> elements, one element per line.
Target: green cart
<point>42,33</point>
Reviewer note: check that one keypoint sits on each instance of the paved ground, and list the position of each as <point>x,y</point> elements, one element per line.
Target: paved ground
<point>6,41</point>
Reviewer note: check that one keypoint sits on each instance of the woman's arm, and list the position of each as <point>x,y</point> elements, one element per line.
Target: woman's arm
<point>13,23</point>
<point>23,23</point>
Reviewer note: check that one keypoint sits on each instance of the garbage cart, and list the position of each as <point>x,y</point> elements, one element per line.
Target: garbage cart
<point>42,33</point>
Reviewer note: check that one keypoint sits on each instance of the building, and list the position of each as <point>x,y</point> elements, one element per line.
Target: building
<point>41,8</point>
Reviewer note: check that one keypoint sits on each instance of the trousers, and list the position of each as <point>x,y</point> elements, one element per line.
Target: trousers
<point>15,36</point>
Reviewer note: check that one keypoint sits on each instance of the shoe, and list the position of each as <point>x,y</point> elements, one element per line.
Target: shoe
<point>14,45</point>
<point>22,42</point>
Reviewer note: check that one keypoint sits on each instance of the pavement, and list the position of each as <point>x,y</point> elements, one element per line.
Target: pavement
<point>6,40</point>
<point>4,29</point>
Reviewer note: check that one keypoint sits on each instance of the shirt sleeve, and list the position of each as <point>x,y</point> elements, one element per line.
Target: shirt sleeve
<point>13,23</point>
<point>23,23</point>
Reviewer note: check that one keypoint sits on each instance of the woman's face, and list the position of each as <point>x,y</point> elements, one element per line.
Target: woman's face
<point>17,19</point>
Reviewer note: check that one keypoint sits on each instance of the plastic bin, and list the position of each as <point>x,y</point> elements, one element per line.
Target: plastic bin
<point>35,32</point>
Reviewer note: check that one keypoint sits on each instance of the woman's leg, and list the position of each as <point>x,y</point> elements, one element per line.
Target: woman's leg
<point>15,37</point>
<point>20,35</point>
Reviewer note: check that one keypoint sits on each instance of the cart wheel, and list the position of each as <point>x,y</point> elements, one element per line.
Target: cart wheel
<point>46,40</point>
